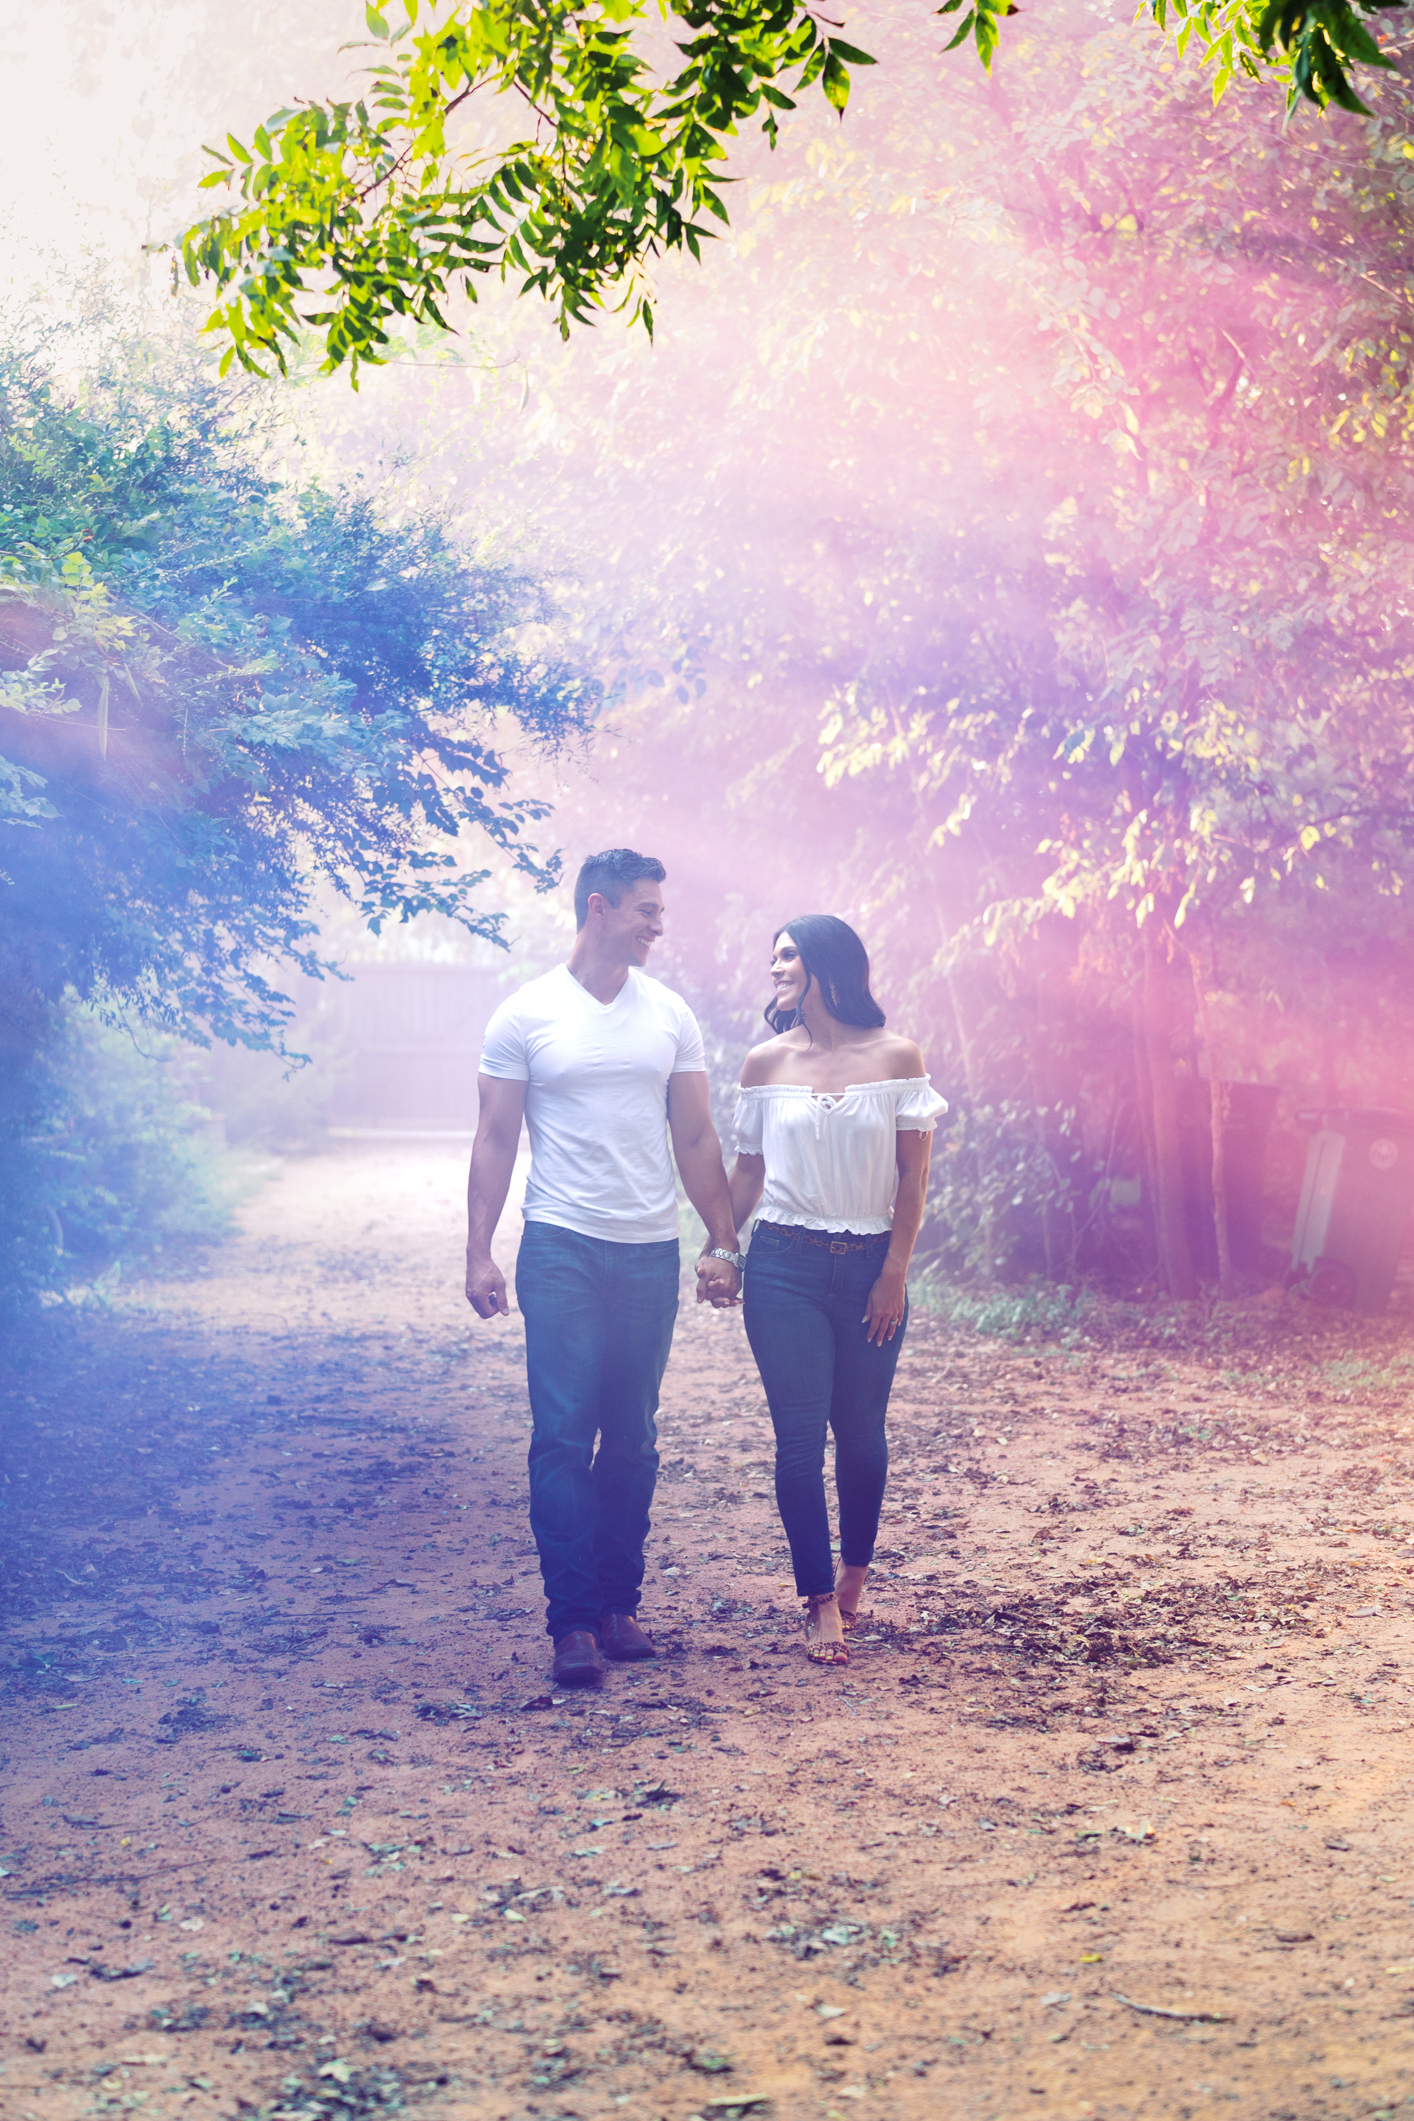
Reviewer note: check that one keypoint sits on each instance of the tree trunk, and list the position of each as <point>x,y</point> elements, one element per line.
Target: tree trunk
<point>1035,1050</point>
<point>1219,1127</point>
<point>1144,1112</point>
<point>967,1054</point>
<point>959,1017</point>
<point>25,1019</point>
<point>1170,1227</point>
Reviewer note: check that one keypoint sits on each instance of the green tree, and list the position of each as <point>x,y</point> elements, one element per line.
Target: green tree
<point>223,699</point>
<point>220,696</point>
<point>1216,722</point>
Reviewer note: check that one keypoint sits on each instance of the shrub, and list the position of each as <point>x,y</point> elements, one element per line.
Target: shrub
<point>105,1162</point>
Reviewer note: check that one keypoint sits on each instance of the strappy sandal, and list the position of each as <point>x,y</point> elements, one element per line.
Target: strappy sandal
<point>822,1652</point>
<point>850,1619</point>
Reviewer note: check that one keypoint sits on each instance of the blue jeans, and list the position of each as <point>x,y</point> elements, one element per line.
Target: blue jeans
<point>598,1327</point>
<point>804,1309</point>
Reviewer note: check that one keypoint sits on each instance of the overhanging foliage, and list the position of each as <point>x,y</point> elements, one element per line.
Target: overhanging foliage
<point>355,214</point>
<point>348,217</point>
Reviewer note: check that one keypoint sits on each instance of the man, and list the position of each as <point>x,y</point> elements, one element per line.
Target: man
<point>604,1064</point>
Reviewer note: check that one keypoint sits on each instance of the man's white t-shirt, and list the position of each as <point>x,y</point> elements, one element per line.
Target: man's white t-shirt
<point>596,1101</point>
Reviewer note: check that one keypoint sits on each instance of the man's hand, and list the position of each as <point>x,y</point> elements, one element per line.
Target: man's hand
<point>718,1283</point>
<point>486,1287</point>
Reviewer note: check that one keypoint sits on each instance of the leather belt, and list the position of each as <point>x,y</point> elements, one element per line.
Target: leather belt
<point>827,1240</point>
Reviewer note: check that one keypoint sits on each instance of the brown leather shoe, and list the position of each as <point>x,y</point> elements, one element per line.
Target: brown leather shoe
<point>623,1639</point>
<point>577,1660</point>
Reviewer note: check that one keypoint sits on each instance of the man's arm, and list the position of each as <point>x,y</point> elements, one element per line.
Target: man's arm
<point>699,1161</point>
<point>493,1156</point>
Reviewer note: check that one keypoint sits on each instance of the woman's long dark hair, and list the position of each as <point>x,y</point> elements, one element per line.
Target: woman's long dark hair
<point>837,963</point>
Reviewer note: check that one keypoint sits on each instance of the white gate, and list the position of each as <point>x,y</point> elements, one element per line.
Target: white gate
<point>410,1039</point>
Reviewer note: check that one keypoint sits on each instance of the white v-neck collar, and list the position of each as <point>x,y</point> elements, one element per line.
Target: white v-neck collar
<point>593,999</point>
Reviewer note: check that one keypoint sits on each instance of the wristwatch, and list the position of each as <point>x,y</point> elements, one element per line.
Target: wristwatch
<point>733,1259</point>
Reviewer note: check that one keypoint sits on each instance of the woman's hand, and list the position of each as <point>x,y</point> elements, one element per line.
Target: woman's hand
<point>718,1283</point>
<point>883,1314</point>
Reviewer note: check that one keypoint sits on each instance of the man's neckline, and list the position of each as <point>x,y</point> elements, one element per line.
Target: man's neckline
<point>591,996</point>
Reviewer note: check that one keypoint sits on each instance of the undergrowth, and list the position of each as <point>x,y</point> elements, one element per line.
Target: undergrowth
<point>105,1162</point>
<point>1255,1340</point>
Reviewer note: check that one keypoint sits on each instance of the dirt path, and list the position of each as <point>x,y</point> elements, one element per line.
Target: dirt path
<point>292,1825</point>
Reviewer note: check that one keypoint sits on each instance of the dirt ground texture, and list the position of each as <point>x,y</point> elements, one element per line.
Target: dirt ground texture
<point>1108,1816</point>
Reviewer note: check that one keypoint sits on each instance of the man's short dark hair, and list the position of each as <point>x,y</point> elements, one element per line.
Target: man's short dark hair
<point>610,874</point>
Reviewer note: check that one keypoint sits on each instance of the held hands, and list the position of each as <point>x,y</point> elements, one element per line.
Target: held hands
<point>883,1314</point>
<point>486,1287</point>
<point>718,1284</point>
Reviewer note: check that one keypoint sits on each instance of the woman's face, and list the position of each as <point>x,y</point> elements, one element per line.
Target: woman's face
<point>788,973</point>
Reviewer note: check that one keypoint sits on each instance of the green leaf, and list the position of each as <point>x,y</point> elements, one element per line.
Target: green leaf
<point>1334,83</point>
<point>836,82</point>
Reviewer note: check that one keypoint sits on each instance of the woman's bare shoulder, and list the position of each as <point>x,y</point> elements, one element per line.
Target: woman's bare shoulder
<point>762,1062</point>
<point>900,1058</point>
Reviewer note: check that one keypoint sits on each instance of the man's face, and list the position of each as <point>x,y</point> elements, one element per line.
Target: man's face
<point>631,928</point>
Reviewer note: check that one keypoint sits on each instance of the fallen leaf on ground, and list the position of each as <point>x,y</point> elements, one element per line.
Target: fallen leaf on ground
<point>1160,2010</point>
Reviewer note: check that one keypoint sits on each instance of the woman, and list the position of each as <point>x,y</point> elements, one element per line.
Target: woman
<point>833,1126</point>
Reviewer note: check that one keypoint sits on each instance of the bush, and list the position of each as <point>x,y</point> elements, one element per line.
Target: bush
<point>1013,1192</point>
<point>271,1104</point>
<point>1039,1312</point>
<point>105,1161</point>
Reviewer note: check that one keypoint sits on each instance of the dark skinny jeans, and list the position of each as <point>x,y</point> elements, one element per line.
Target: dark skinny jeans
<point>804,1308</point>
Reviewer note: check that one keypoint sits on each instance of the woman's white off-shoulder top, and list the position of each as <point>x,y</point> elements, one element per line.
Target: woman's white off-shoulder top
<point>830,1157</point>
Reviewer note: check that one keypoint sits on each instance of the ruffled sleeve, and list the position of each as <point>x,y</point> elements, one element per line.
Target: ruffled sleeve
<point>748,1123</point>
<point>919,1108</point>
